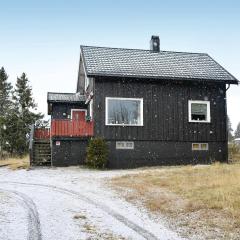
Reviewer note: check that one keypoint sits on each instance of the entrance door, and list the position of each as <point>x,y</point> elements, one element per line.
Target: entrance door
<point>78,119</point>
<point>78,115</point>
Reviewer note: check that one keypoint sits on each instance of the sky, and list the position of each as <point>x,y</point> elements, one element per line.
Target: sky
<point>43,38</point>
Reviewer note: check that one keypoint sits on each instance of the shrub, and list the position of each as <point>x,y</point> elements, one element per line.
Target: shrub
<point>97,153</point>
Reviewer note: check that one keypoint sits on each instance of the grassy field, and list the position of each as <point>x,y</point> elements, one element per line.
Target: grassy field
<point>16,163</point>
<point>196,200</point>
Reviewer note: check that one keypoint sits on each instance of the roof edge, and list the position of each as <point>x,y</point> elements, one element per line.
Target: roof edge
<point>83,59</point>
<point>224,68</point>
<point>230,81</point>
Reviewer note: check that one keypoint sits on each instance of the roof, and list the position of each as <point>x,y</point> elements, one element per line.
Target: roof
<point>65,97</point>
<point>102,61</point>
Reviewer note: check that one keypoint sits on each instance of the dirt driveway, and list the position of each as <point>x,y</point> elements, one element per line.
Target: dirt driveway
<point>70,203</point>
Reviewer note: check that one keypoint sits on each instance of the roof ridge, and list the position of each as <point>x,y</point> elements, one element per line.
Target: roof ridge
<point>145,50</point>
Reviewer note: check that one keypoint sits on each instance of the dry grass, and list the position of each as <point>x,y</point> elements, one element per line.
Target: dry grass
<point>16,163</point>
<point>235,158</point>
<point>200,200</point>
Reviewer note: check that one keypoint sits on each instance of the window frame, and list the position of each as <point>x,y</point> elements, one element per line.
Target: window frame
<point>200,147</point>
<point>122,124</point>
<point>190,111</point>
<point>125,145</point>
<point>78,110</point>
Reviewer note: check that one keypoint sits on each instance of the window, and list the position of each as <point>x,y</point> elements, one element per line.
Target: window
<point>124,111</point>
<point>124,145</point>
<point>200,146</point>
<point>199,111</point>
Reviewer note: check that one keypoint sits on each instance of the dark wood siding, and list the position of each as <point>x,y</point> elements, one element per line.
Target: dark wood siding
<point>63,110</point>
<point>152,153</point>
<point>165,107</point>
<point>71,151</point>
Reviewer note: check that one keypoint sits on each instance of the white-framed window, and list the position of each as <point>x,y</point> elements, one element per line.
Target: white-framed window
<point>124,111</point>
<point>199,146</point>
<point>124,145</point>
<point>199,111</point>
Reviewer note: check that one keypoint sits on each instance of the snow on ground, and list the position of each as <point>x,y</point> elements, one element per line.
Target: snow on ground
<point>70,203</point>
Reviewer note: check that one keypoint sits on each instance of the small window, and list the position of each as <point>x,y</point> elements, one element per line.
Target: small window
<point>195,146</point>
<point>124,145</point>
<point>124,111</point>
<point>200,146</point>
<point>199,111</point>
<point>204,146</point>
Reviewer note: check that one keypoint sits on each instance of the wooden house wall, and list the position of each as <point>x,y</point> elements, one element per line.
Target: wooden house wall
<point>71,151</point>
<point>63,110</point>
<point>153,153</point>
<point>165,107</point>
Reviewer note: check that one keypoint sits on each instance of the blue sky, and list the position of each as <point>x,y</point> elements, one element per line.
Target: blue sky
<point>42,38</point>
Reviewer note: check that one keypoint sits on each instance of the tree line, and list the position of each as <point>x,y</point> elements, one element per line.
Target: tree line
<point>18,111</point>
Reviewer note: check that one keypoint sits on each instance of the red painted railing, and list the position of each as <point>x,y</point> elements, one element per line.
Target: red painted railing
<point>71,128</point>
<point>42,133</point>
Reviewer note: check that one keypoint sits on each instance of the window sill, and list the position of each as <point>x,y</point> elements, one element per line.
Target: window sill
<point>195,121</point>
<point>125,125</point>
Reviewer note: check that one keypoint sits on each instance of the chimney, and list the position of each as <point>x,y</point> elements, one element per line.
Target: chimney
<point>155,44</point>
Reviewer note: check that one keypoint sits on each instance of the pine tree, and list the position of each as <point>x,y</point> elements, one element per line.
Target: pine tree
<point>24,115</point>
<point>5,104</point>
<point>229,129</point>
<point>237,132</point>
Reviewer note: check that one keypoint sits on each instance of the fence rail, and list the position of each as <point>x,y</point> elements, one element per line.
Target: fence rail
<point>42,133</point>
<point>71,128</point>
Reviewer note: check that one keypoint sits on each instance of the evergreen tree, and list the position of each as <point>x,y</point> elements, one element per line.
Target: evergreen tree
<point>23,116</point>
<point>237,132</point>
<point>5,92</point>
<point>229,129</point>
<point>97,153</point>
<point>5,104</point>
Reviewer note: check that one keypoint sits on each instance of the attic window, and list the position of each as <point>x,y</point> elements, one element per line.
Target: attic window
<point>124,111</point>
<point>199,111</point>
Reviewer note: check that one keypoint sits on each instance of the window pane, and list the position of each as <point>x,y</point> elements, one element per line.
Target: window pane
<point>195,146</point>
<point>199,111</point>
<point>124,111</point>
<point>129,145</point>
<point>204,146</point>
<point>124,145</point>
<point>120,145</point>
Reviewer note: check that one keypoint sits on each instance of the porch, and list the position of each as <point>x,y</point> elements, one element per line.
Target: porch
<point>40,137</point>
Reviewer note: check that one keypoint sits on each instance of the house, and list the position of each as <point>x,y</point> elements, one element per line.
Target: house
<point>152,107</point>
